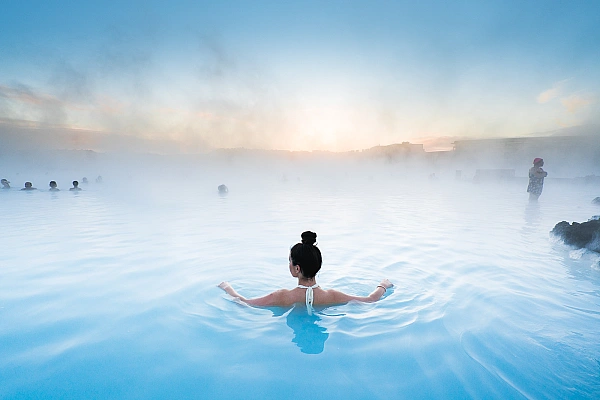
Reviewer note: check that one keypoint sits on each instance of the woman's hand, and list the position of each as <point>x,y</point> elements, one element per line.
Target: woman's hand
<point>230,291</point>
<point>386,283</point>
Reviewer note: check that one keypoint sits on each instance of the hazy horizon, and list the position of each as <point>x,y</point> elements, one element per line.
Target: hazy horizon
<point>25,135</point>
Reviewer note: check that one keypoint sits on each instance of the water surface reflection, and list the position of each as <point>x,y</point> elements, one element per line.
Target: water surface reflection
<point>309,336</point>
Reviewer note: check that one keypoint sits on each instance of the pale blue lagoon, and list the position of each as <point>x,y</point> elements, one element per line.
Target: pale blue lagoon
<point>111,293</point>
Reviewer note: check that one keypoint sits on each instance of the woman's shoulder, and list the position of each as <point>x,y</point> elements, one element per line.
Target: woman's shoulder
<point>282,292</point>
<point>335,296</point>
<point>284,296</point>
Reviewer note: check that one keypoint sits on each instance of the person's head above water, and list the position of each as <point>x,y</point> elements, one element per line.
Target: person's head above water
<point>53,184</point>
<point>538,161</point>
<point>75,183</point>
<point>306,255</point>
<point>5,183</point>
<point>28,186</point>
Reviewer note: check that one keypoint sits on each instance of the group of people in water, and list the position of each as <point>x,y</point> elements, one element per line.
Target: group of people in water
<point>305,259</point>
<point>53,185</point>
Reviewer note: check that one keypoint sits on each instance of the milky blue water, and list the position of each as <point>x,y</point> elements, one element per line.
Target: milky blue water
<point>112,292</point>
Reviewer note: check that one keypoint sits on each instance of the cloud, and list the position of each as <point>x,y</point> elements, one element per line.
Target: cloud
<point>24,94</point>
<point>547,95</point>
<point>552,93</point>
<point>22,102</point>
<point>575,102</point>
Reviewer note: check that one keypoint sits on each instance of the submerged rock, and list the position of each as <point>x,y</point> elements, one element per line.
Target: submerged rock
<point>581,235</point>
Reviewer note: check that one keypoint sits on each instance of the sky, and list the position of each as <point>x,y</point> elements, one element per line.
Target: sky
<point>300,75</point>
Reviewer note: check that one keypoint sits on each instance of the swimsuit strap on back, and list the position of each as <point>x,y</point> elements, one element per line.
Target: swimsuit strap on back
<point>309,296</point>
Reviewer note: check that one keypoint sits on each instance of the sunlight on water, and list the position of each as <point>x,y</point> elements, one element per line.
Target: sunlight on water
<point>112,292</point>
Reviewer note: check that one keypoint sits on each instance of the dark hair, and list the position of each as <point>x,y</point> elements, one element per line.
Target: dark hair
<point>307,255</point>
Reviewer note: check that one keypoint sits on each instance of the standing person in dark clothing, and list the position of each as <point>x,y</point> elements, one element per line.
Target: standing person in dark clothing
<point>536,179</point>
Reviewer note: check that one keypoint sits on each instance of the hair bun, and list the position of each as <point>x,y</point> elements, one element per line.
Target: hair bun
<point>309,237</point>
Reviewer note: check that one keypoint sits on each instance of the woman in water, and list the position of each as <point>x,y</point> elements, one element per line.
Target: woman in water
<point>305,262</point>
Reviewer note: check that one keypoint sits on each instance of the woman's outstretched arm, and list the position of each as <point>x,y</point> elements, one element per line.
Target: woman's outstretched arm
<point>274,299</point>
<point>231,291</point>
<point>373,297</point>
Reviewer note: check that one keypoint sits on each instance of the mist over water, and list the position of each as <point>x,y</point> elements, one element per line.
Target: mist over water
<point>111,292</point>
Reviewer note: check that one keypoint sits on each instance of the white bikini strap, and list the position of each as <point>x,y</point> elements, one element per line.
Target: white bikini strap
<point>309,296</point>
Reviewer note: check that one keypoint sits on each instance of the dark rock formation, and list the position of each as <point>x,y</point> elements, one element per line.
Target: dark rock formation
<point>586,234</point>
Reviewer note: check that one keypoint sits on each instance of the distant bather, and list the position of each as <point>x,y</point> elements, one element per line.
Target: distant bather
<point>28,186</point>
<point>75,186</point>
<point>53,186</point>
<point>223,189</point>
<point>5,184</point>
